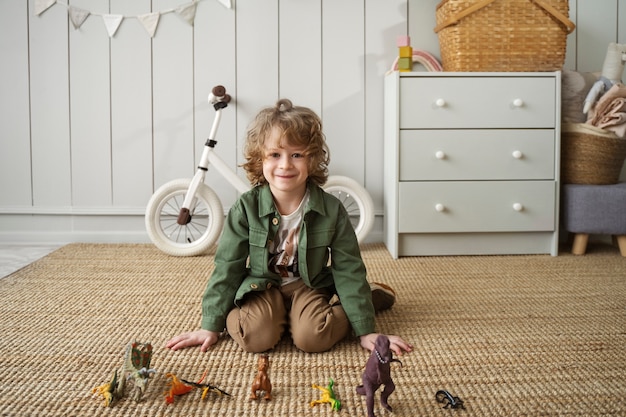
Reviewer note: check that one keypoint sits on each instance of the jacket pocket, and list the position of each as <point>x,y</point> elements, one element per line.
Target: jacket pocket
<point>320,238</point>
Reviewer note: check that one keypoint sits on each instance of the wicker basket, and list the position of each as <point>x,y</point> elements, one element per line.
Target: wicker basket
<point>503,35</point>
<point>590,155</point>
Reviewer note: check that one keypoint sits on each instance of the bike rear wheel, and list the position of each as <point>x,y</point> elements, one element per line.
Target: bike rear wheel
<point>356,200</point>
<point>201,231</point>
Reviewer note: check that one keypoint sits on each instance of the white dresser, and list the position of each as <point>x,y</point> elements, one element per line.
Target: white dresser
<point>471,163</point>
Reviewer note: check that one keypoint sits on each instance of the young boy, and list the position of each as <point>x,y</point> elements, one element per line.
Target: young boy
<point>271,266</point>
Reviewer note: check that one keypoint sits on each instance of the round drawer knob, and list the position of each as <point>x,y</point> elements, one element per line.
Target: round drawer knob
<point>440,207</point>
<point>518,154</point>
<point>518,207</point>
<point>518,102</point>
<point>440,102</point>
<point>440,155</point>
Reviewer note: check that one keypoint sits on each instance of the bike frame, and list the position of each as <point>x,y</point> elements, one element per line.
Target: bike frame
<point>209,157</point>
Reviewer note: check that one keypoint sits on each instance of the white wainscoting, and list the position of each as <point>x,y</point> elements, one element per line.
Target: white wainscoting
<point>90,125</point>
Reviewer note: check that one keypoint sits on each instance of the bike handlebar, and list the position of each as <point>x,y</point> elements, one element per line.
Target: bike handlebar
<point>218,94</point>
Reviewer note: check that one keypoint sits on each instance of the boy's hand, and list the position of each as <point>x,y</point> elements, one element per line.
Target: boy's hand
<point>204,338</point>
<point>396,343</point>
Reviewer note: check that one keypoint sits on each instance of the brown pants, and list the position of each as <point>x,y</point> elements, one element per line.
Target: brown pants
<point>316,323</point>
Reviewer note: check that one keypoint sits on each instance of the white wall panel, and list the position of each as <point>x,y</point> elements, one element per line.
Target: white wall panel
<point>15,163</point>
<point>172,96</point>
<point>300,52</point>
<point>257,61</point>
<point>90,126</point>
<point>49,104</point>
<point>343,90</point>
<point>621,21</point>
<point>215,64</point>
<point>384,22</point>
<point>131,107</point>
<point>90,106</point>
<point>421,22</point>
<point>596,27</point>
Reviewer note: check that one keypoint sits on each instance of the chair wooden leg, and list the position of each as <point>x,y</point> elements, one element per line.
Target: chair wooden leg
<point>621,242</point>
<point>580,243</point>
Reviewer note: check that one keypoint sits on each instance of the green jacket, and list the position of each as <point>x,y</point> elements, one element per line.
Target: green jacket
<point>241,259</point>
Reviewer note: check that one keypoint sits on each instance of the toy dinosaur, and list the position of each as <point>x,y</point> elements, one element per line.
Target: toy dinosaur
<point>378,372</point>
<point>449,400</point>
<point>137,367</point>
<point>108,391</point>
<point>261,381</point>
<point>182,387</point>
<point>327,396</point>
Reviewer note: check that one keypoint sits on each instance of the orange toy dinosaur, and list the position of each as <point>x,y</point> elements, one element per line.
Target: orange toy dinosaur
<point>261,381</point>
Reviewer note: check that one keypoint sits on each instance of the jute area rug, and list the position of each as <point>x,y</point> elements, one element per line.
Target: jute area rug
<point>509,335</point>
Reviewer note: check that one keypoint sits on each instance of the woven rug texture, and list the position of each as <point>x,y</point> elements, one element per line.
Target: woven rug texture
<point>510,335</point>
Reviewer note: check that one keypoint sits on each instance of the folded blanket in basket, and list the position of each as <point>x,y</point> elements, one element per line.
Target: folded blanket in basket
<point>609,113</point>
<point>613,117</point>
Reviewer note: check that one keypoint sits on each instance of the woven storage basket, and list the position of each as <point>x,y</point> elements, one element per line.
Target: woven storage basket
<point>590,155</point>
<point>503,35</point>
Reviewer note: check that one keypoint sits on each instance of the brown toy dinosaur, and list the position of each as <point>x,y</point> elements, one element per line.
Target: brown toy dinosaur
<point>261,381</point>
<point>378,372</point>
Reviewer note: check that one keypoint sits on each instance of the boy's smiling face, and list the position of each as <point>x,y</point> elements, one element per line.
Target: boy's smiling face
<point>285,167</point>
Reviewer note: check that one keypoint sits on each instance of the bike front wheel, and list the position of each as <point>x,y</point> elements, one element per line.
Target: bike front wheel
<point>198,234</point>
<point>356,200</point>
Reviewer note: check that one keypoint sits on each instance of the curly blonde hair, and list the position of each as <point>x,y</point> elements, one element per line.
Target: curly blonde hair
<point>300,126</point>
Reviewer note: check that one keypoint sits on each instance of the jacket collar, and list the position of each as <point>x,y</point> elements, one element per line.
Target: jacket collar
<point>267,207</point>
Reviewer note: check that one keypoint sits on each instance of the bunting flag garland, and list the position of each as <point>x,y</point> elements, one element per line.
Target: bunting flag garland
<point>78,16</point>
<point>43,5</point>
<point>112,22</point>
<point>150,22</point>
<point>187,12</point>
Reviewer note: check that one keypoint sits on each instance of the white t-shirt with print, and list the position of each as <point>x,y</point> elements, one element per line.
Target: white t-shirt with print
<point>284,248</point>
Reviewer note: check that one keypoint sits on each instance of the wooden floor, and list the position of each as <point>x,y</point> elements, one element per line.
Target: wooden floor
<point>14,256</point>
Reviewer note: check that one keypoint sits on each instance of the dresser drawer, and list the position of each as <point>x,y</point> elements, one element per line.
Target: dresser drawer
<point>486,206</point>
<point>427,155</point>
<point>477,102</point>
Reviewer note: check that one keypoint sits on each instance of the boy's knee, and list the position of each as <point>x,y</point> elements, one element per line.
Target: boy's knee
<point>315,339</point>
<point>259,344</point>
<point>256,340</point>
<point>308,342</point>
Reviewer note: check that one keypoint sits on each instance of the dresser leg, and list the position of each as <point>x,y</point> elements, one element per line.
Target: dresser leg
<point>621,242</point>
<point>580,243</point>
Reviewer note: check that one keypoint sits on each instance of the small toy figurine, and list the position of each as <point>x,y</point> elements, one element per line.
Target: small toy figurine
<point>261,381</point>
<point>327,396</point>
<point>405,54</point>
<point>108,391</point>
<point>378,372</point>
<point>137,368</point>
<point>178,387</point>
<point>449,400</point>
<point>182,387</point>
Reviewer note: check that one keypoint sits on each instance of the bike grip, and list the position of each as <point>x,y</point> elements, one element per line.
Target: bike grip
<point>218,91</point>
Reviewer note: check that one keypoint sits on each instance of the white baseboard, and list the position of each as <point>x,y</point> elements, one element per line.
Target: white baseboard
<point>91,226</point>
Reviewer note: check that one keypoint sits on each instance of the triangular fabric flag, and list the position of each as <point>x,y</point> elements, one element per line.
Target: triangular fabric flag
<point>187,11</point>
<point>112,23</point>
<point>77,16</point>
<point>43,5</point>
<point>150,22</point>
<point>226,3</point>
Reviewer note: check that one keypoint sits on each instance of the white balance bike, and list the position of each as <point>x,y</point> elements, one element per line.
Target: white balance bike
<point>184,217</point>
